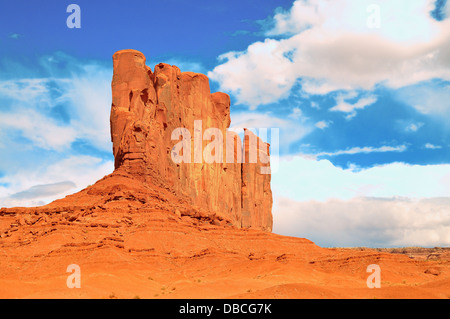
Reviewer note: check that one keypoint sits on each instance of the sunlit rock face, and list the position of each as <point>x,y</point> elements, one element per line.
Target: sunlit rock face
<point>223,176</point>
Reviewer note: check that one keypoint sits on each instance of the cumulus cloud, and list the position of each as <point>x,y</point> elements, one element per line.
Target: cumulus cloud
<point>260,75</point>
<point>328,46</point>
<point>373,222</point>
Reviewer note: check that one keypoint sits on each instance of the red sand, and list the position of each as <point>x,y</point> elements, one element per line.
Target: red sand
<point>127,249</point>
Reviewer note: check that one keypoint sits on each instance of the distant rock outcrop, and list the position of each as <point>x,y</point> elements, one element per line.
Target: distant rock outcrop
<point>148,107</point>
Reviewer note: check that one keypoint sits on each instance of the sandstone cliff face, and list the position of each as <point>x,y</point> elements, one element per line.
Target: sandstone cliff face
<point>146,109</point>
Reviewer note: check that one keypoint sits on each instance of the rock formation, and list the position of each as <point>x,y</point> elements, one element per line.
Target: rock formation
<point>147,109</point>
<point>159,229</point>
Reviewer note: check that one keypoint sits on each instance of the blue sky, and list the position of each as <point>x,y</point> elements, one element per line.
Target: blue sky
<point>359,89</point>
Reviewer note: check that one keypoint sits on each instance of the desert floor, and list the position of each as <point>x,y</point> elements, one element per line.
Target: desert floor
<point>159,254</point>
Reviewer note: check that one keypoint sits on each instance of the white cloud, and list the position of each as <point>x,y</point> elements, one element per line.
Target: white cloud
<point>374,222</point>
<point>330,47</point>
<point>86,94</point>
<point>261,75</point>
<point>323,124</point>
<point>350,108</point>
<point>428,98</point>
<point>358,150</point>
<point>390,205</point>
<point>25,89</point>
<point>51,111</point>
<point>89,97</point>
<point>44,132</point>
<point>75,171</point>
<point>303,15</point>
<point>432,146</point>
<point>400,20</point>
<point>304,179</point>
<point>414,127</point>
<point>296,113</point>
<point>315,105</point>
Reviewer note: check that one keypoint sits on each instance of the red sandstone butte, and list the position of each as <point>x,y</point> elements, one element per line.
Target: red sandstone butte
<point>153,229</point>
<point>148,106</point>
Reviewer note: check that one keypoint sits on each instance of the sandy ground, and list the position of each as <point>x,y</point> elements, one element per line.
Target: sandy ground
<point>132,253</point>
